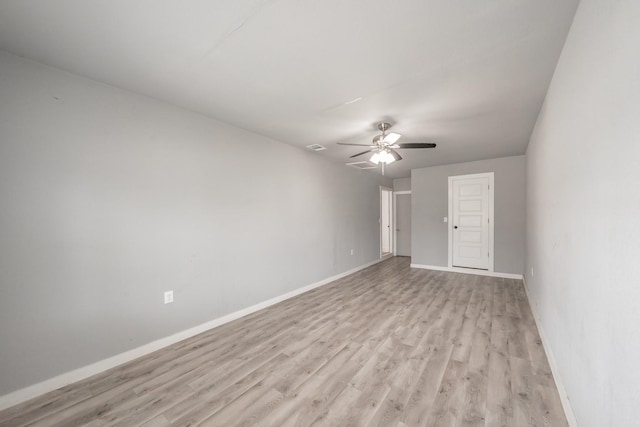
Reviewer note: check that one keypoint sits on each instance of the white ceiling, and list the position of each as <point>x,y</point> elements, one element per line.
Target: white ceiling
<point>468,75</point>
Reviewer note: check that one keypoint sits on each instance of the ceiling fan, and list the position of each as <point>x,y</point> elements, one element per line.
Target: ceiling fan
<point>384,146</point>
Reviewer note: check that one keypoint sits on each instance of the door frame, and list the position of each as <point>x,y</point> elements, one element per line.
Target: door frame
<point>489,175</point>
<point>395,193</point>
<point>391,220</point>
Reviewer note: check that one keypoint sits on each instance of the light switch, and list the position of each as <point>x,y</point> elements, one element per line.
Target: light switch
<point>445,219</point>
<point>168,297</point>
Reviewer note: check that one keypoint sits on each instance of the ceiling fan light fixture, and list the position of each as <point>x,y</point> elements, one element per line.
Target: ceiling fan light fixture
<point>382,157</point>
<point>383,147</point>
<point>388,158</point>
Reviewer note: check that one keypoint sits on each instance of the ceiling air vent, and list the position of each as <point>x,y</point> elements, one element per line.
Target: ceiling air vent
<point>362,165</point>
<point>316,147</point>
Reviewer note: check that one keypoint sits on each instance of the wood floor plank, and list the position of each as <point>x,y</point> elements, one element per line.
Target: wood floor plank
<point>420,404</point>
<point>522,390</point>
<point>339,409</point>
<point>448,403</point>
<point>499,398</point>
<point>387,346</point>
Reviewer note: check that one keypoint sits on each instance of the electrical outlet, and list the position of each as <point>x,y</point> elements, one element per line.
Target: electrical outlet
<point>168,297</point>
<point>351,251</point>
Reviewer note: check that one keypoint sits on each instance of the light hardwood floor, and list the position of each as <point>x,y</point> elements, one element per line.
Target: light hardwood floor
<point>387,346</point>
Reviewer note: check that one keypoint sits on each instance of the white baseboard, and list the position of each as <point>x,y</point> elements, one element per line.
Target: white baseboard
<point>564,397</point>
<point>469,271</point>
<point>67,378</point>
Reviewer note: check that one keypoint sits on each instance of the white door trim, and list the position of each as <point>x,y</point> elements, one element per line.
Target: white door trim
<point>395,199</point>
<point>391,219</point>
<point>490,176</point>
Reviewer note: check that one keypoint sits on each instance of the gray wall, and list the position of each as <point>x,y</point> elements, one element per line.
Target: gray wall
<point>583,212</point>
<point>402,184</point>
<point>110,198</point>
<point>429,191</point>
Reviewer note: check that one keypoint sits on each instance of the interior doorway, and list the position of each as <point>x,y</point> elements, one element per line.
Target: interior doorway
<point>402,216</point>
<point>386,220</point>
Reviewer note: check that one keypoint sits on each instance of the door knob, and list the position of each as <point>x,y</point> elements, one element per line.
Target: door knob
<point>455,226</point>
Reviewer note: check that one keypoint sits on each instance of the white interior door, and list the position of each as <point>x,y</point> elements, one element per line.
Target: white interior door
<point>403,224</point>
<point>471,221</point>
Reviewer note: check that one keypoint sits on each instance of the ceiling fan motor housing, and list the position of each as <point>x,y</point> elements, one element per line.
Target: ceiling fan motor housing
<point>383,126</point>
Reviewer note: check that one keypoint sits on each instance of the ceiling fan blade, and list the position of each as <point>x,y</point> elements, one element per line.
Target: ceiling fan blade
<point>360,154</point>
<point>395,154</point>
<point>416,145</point>
<point>359,145</point>
<point>391,138</point>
